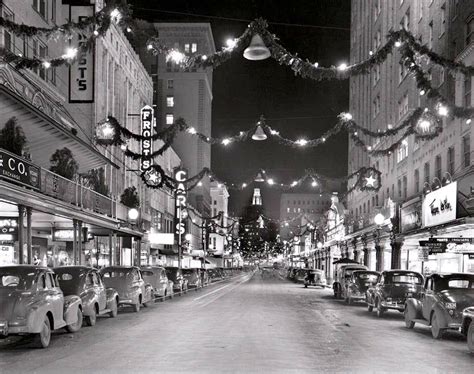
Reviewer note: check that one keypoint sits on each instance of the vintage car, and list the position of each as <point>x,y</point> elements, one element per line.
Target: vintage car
<point>300,275</point>
<point>193,278</point>
<point>86,282</point>
<point>180,283</point>
<point>130,285</point>
<point>467,327</point>
<point>392,290</point>
<point>156,276</point>
<point>215,274</point>
<point>441,302</point>
<point>358,284</point>
<point>315,277</point>
<point>341,277</point>
<point>204,277</point>
<point>33,303</point>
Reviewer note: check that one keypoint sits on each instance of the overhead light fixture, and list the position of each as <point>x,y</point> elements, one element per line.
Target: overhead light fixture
<point>259,134</point>
<point>257,50</point>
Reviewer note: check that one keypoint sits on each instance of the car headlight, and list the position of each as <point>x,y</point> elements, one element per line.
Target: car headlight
<point>450,305</point>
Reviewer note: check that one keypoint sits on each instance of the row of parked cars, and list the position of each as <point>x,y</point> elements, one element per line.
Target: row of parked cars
<point>37,300</point>
<point>442,301</point>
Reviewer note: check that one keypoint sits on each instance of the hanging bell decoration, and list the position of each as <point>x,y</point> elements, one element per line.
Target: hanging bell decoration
<point>257,50</point>
<point>259,177</point>
<point>259,134</point>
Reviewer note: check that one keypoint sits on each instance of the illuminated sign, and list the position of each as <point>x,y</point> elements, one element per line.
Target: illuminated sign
<point>439,206</point>
<point>8,225</point>
<point>148,126</point>
<point>18,170</point>
<point>410,216</point>
<point>81,72</point>
<point>180,176</point>
<point>67,235</point>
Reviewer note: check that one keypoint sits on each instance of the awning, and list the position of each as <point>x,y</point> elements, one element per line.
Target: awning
<point>46,134</point>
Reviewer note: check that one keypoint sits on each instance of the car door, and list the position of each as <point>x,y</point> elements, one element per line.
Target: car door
<point>163,281</point>
<point>379,288</point>
<point>99,289</point>
<point>427,298</point>
<point>140,282</point>
<point>55,296</point>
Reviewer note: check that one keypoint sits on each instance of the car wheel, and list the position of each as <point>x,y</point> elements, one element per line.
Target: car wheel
<point>43,339</point>
<point>136,307</point>
<point>408,322</point>
<point>470,337</point>
<point>436,330</point>
<point>92,319</point>
<point>74,327</point>
<point>305,286</point>
<point>113,309</point>
<point>380,309</point>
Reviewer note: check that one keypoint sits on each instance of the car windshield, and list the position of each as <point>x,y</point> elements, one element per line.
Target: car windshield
<point>407,278</point>
<point>366,277</point>
<point>115,274</point>
<point>18,280</point>
<point>455,282</point>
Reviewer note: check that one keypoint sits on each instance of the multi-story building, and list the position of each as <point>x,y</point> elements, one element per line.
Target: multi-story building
<point>383,99</point>
<point>217,245</point>
<point>185,93</point>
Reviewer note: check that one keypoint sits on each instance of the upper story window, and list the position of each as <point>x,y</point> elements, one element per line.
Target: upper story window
<point>170,101</point>
<point>405,22</point>
<point>8,40</point>
<point>376,106</point>
<point>417,180</point>
<point>403,106</point>
<point>377,8</point>
<point>190,47</point>
<point>442,27</point>
<point>420,9</point>
<point>169,119</point>
<point>430,35</point>
<point>438,167</point>
<point>441,75</point>
<point>40,7</point>
<point>426,170</point>
<point>466,150</point>
<point>450,160</point>
<point>467,91</point>
<point>470,30</point>
<point>403,72</point>
<point>53,11</point>
<point>402,151</point>
<point>377,40</point>
<point>405,186</point>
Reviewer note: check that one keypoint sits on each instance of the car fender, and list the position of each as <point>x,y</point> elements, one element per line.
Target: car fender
<point>414,308</point>
<point>36,316</point>
<point>88,301</point>
<point>111,295</point>
<point>441,314</point>
<point>148,294</point>
<point>71,304</point>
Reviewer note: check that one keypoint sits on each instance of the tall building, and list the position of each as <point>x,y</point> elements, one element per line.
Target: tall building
<point>383,99</point>
<point>185,93</point>
<point>219,205</point>
<point>257,197</point>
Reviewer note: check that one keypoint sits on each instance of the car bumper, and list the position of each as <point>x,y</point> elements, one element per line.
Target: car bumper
<point>7,328</point>
<point>393,305</point>
<point>126,302</point>
<point>357,297</point>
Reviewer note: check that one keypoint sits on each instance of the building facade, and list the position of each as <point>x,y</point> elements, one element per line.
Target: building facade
<point>383,99</point>
<point>218,245</point>
<point>185,93</point>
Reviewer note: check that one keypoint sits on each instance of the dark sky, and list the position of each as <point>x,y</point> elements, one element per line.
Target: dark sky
<point>243,90</point>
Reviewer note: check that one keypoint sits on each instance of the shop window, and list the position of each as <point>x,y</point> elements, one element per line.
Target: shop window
<point>466,148</point>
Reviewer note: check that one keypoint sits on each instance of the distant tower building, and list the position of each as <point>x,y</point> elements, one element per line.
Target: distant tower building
<point>186,93</point>
<point>257,198</point>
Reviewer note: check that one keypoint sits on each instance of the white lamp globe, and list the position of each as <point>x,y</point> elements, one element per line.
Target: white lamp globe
<point>133,214</point>
<point>379,219</point>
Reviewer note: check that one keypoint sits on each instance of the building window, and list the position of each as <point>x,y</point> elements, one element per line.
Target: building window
<point>377,8</point>
<point>467,91</point>
<point>288,210</point>
<point>405,22</point>
<point>441,75</point>
<point>170,101</point>
<point>403,106</point>
<point>470,30</point>
<point>53,11</point>
<point>40,7</point>
<point>450,160</point>
<point>170,83</point>
<point>420,10</point>
<point>417,180</point>
<point>376,106</point>
<point>426,170</point>
<point>43,52</point>
<point>187,48</point>
<point>438,167</point>
<point>169,119</point>
<point>399,188</point>
<point>403,71</point>
<point>442,27</point>
<point>430,35</point>
<point>194,47</point>
<point>377,40</point>
<point>7,35</point>
<point>402,151</point>
<point>405,187</point>
<point>466,150</point>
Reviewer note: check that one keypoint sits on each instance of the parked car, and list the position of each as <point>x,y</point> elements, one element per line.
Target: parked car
<point>215,274</point>
<point>86,282</point>
<point>204,277</point>
<point>180,284</point>
<point>392,290</point>
<point>358,284</point>
<point>468,327</point>
<point>300,275</point>
<point>130,285</point>
<point>315,277</point>
<point>33,303</point>
<point>156,276</point>
<point>193,278</point>
<point>441,303</point>
<point>341,277</point>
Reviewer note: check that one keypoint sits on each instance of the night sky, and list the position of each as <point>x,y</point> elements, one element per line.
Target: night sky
<point>243,90</point>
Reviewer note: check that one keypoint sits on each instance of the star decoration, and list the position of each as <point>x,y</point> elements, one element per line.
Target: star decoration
<point>369,181</point>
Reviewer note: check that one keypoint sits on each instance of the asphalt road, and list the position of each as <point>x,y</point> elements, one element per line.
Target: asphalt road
<point>259,325</point>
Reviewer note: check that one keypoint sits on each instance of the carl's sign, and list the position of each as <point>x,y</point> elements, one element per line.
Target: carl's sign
<point>148,127</point>
<point>180,176</point>
<point>15,169</point>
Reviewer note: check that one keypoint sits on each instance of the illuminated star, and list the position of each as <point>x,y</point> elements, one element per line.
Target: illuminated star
<point>370,180</point>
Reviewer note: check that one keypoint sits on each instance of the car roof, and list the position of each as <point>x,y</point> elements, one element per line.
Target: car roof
<point>74,269</point>
<point>449,275</point>
<point>366,271</point>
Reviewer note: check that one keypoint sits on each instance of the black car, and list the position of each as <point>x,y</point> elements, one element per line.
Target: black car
<point>180,283</point>
<point>358,284</point>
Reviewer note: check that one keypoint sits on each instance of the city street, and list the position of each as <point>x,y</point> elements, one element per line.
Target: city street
<point>244,325</point>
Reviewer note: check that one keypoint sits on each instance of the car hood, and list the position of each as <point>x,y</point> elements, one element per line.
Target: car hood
<point>462,297</point>
<point>9,299</point>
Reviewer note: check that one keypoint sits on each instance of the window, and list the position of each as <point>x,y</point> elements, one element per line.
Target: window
<point>7,35</point>
<point>450,160</point>
<point>442,27</point>
<point>402,151</point>
<point>438,167</point>
<point>377,8</point>
<point>403,71</point>
<point>470,30</point>
<point>40,7</point>
<point>194,47</point>
<point>288,210</point>
<point>441,76</point>
<point>49,282</point>
<point>466,150</point>
<point>43,51</point>
<point>170,101</point>
<point>417,180</point>
<point>420,9</point>
<point>169,83</point>
<point>376,106</point>
<point>376,74</point>
<point>426,169</point>
<point>187,48</point>
<point>53,11</point>
<point>467,91</point>
<point>377,40</point>
<point>405,22</point>
<point>399,185</point>
<point>430,33</point>
<point>405,186</point>
<point>169,119</point>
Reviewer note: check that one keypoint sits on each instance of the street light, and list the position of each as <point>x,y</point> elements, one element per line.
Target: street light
<point>133,214</point>
<point>379,219</point>
<point>319,245</point>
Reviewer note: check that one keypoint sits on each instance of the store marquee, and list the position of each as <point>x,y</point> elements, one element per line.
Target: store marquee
<point>439,206</point>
